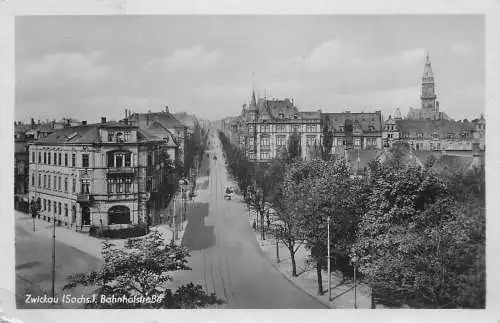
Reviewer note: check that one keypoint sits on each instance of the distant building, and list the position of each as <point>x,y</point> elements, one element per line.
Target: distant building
<point>167,121</point>
<point>107,174</point>
<point>265,126</point>
<point>429,105</point>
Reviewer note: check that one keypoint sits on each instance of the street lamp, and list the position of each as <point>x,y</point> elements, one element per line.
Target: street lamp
<point>328,259</point>
<point>354,261</point>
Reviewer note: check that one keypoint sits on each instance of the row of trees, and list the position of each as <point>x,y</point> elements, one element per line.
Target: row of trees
<point>414,235</point>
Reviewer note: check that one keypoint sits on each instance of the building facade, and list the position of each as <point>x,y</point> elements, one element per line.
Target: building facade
<point>105,174</point>
<point>429,109</point>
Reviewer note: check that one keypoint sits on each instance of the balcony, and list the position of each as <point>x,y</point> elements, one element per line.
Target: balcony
<point>120,171</point>
<point>85,198</point>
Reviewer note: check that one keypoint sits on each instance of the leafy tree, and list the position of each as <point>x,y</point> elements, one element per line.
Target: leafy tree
<point>417,244</point>
<point>141,269</point>
<point>327,142</point>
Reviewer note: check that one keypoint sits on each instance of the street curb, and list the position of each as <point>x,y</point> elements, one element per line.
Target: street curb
<point>327,305</point>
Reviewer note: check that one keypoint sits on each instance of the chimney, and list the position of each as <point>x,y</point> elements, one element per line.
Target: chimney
<point>52,124</point>
<point>68,122</point>
<point>32,122</point>
<point>103,119</point>
<point>125,121</point>
<point>38,121</point>
<point>166,109</point>
<point>84,122</point>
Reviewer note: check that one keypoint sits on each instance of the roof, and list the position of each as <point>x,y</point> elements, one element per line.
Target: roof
<point>157,131</point>
<point>457,163</point>
<point>166,119</point>
<point>428,127</point>
<point>406,154</point>
<point>336,120</point>
<point>83,134</point>
<point>277,108</point>
<point>188,120</point>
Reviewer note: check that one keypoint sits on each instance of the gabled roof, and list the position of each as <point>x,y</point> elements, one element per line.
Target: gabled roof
<point>277,108</point>
<point>335,121</point>
<point>166,119</point>
<point>160,132</point>
<point>442,127</point>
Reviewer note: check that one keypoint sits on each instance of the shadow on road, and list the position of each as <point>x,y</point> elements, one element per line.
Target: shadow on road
<point>198,236</point>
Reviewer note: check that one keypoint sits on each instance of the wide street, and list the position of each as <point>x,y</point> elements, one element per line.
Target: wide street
<point>34,263</point>
<point>226,258</point>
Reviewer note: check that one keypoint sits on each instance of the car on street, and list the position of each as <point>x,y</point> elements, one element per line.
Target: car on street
<point>228,193</point>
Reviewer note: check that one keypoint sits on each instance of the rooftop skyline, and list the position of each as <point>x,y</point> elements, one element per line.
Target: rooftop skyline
<point>92,66</point>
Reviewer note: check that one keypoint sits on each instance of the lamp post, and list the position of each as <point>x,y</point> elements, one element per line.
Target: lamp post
<point>53,257</point>
<point>328,259</point>
<point>354,262</point>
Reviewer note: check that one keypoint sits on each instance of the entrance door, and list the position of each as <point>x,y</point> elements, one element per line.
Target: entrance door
<point>85,215</point>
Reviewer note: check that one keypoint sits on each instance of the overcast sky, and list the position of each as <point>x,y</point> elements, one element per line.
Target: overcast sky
<point>92,66</point>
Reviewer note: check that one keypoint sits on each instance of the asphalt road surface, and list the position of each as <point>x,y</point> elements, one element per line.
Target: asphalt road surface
<point>34,266</point>
<point>226,258</point>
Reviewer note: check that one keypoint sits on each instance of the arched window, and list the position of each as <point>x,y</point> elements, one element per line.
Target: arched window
<point>119,215</point>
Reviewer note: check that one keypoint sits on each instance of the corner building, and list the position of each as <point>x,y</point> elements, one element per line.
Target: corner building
<point>106,174</point>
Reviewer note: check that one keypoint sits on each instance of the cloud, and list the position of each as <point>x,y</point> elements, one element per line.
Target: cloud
<point>76,66</point>
<point>462,49</point>
<point>194,59</point>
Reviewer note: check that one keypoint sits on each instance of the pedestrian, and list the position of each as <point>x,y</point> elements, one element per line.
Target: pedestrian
<point>254,225</point>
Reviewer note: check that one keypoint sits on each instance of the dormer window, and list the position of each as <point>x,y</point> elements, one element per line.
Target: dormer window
<point>119,137</point>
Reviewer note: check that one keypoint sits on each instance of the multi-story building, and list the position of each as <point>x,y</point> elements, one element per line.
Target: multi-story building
<point>106,174</point>
<point>429,129</point>
<point>429,105</point>
<point>265,126</point>
<point>167,121</point>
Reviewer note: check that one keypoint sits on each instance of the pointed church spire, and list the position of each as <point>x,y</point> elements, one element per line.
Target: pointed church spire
<point>428,76</point>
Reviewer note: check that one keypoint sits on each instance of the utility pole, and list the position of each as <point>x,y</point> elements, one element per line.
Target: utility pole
<point>328,263</point>
<point>53,257</point>
<point>277,245</point>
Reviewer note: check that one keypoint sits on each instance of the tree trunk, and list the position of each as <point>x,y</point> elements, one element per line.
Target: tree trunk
<point>294,265</point>
<point>262,235</point>
<point>320,278</point>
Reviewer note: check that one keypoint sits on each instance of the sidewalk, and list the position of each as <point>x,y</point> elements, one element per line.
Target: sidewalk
<point>342,291</point>
<point>79,240</point>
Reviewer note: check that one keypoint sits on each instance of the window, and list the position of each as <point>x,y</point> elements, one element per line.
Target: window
<point>39,157</point>
<point>85,187</point>
<point>280,128</point>
<point>149,184</point>
<point>59,159</point>
<point>251,128</point>
<point>65,209</point>
<point>110,136</point>
<point>119,137</point>
<point>264,142</point>
<point>44,157</point>
<point>66,159</point>
<point>44,181</point>
<point>127,136</point>
<point>265,155</point>
<point>85,160</point>
<point>73,186</point>
<point>310,128</point>
<point>33,157</point>
<point>357,142</point>
<point>296,128</point>
<point>73,160</point>
<point>44,204</point>
<point>420,134</point>
<point>59,208</point>
<point>65,184</point>
<point>119,160</point>
<point>32,179</point>
<point>281,141</point>
<point>59,183</point>
<point>55,182</point>
<point>110,187</point>
<point>310,140</point>
<point>128,185</point>
<point>49,205</point>
<point>119,188</point>
<point>128,160</point>
<point>39,180</point>
<point>265,128</point>
<point>49,157</point>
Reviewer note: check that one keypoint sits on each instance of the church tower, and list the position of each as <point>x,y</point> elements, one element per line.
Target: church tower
<point>428,97</point>
<point>252,109</point>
